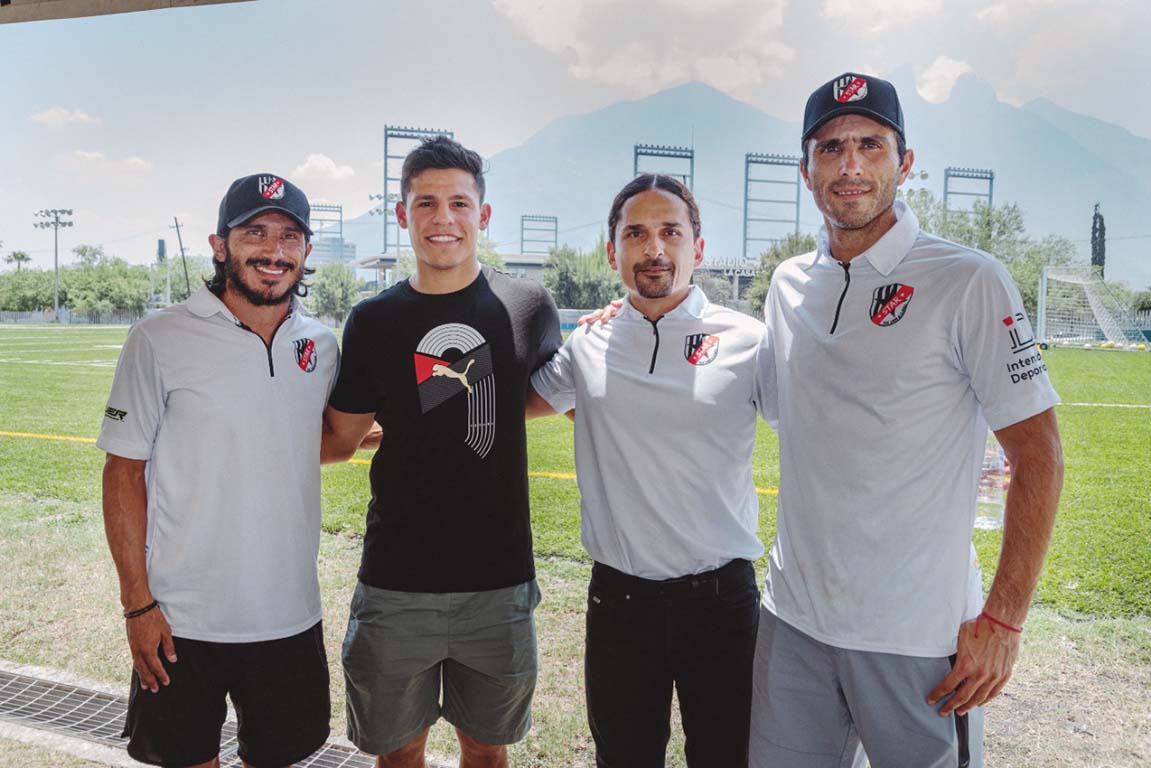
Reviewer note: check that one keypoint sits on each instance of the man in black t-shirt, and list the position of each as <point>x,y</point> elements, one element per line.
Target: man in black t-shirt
<point>447,582</point>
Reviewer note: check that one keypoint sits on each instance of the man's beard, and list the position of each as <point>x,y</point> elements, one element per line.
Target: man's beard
<point>253,295</point>
<point>654,289</point>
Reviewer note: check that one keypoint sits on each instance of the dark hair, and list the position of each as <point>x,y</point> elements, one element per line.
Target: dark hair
<point>441,152</point>
<point>643,183</point>
<point>219,280</point>
<point>900,147</point>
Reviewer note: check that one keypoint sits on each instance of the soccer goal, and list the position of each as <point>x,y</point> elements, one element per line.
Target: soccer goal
<point>1077,308</point>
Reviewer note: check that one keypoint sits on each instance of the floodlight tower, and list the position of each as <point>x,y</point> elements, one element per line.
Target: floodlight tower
<point>779,206</point>
<point>538,234</point>
<point>54,220</point>
<point>969,178</point>
<point>665,153</point>
<point>398,142</point>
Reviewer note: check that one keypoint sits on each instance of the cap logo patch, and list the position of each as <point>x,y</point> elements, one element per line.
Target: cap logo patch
<point>848,89</point>
<point>271,187</point>
<point>700,348</point>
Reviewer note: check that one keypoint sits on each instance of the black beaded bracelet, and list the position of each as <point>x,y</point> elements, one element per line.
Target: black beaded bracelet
<point>140,611</point>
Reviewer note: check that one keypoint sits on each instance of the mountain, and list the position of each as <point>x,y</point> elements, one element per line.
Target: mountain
<point>1054,163</point>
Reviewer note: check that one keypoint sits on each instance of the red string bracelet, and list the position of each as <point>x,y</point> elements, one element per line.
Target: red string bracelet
<point>1005,625</point>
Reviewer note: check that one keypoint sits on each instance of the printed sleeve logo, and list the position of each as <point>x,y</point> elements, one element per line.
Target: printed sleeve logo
<point>1020,332</point>
<point>469,371</point>
<point>848,89</point>
<point>700,349</point>
<point>889,303</point>
<point>271,187</point>
<point>305,354</point>
<point>115,414</point>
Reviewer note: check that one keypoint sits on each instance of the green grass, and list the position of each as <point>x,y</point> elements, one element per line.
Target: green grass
<point>55,381</point>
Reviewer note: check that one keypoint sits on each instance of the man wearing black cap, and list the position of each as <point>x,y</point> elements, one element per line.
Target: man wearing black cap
<point>893,352</point>
<point>212,497</point>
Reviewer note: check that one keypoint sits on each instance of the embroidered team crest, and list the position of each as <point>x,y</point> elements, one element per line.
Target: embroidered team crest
<point>700,349</point>
<point>441,376</point>
<point>849,88</point>
<point>271,187</point>
<point>305,354</point>
<point>889,303</point>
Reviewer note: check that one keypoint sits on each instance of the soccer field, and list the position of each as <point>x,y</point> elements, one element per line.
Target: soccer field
<point>55,381</point>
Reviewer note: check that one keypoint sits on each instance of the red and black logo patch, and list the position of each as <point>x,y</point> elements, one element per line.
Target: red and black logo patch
<point>700,349</point>
<point>305,354</point>
<point>848,89</point>
<point>889,303</point>
<point>271,187</point>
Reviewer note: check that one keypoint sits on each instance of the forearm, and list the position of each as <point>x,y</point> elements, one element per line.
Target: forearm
<point>1032,500</point>
<point>125,502</point>
<point>536,406</point>
<point>342,434</point>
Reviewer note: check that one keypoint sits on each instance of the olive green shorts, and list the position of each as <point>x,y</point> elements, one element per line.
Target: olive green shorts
<point>400,645</point>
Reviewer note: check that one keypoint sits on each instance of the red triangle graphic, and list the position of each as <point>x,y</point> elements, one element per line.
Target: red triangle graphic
<point>424,365</point>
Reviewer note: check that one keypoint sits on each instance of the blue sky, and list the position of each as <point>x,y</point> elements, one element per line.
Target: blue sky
<point>136,118</point>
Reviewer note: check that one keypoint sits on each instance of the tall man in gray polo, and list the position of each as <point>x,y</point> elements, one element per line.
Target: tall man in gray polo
<point>892,352</point>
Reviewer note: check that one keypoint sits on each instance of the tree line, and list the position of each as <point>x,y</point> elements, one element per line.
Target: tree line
<point>97,283</point>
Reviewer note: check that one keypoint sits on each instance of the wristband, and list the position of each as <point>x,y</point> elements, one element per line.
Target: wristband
<point>1008,627</point>
<point>140,611</point>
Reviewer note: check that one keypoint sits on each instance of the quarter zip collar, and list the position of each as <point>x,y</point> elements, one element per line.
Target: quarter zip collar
<point>888,251</point>
<point>694,305</point>
<point>204,303</point>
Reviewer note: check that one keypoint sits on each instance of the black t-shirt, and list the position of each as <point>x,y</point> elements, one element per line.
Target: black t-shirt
<point>446,376</point>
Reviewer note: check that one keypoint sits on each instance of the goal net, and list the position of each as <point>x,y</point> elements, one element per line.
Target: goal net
<point>1076,307</point>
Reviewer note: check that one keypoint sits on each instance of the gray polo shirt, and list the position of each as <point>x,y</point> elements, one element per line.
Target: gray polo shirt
<point>664,434</point>
<point>888,375</point>
<point>230,429</point>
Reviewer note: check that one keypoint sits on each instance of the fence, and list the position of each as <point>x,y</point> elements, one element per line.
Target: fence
<point>69,317</point>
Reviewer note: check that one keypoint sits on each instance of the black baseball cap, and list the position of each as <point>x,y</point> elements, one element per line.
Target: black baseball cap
<point>259,193</point>
<point>853,94</point>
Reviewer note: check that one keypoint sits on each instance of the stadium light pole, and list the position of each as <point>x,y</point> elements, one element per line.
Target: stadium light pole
<point>52,220</point>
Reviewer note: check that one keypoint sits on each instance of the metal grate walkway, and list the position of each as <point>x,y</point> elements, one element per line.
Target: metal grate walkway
<point>99,717</point>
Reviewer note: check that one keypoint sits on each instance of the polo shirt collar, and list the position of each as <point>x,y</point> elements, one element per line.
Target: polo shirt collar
<point>204,303</point>
<point>886,253</point>
<point>693,305</point>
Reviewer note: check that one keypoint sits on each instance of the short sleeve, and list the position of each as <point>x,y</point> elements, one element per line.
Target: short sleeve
<point>998,350</point>
<point>766,382</point>
<point>136,404</point>
<point>353,392</point>
<point>548,335</point>
<point>555,379</point>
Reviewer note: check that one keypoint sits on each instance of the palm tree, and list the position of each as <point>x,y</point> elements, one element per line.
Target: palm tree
<point>17,258</point>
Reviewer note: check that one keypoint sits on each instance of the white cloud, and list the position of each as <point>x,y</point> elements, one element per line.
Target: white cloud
<point>733,45</point>
<point>936,82</point>
<point>60,116</point>
<point>319,166</point>
<point>879,15</point>
<point>97,162</point>
<point>138,164</point>
<point>993,14</point>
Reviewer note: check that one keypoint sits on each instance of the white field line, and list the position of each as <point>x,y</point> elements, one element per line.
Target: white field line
<point>80,363</point>
<point>1107,405</point>
<point>25,343</point>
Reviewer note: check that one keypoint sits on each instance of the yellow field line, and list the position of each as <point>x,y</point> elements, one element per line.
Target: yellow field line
<point>550,475</point>
<point>49,437</point>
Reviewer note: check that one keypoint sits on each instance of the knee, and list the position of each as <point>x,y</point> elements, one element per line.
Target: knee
<point>411,755</point>
<point>478,753</point>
